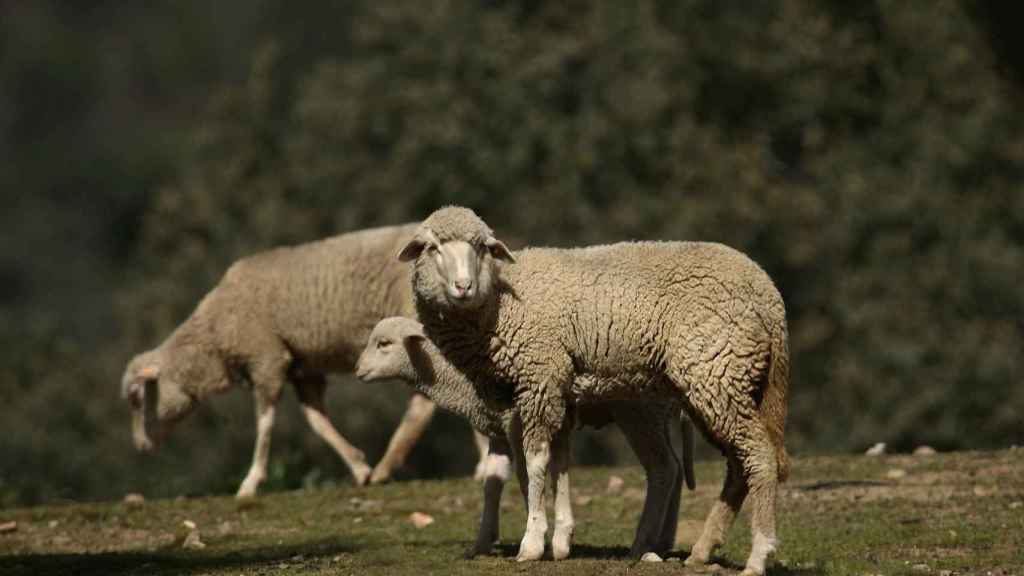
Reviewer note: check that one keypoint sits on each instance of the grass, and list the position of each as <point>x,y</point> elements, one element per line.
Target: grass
<point>957,513</point>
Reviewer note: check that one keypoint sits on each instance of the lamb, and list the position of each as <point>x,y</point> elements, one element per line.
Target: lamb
<point>693,322</point>
<point>293,314</point>
<point>397,348</point>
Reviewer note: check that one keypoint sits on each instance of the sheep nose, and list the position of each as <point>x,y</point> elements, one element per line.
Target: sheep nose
<point>463,287</point>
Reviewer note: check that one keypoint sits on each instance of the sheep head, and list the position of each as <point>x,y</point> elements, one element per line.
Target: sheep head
<point>387,352</point>
<point>143,370</point>
<point>178,375</point>
<point>455,255</point>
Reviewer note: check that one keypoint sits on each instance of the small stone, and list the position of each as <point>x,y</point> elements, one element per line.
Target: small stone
<point>421,520</point>
<point>925,451</point>
<point>920,567</point>
<point>876,450</point>
<point>53,523</point>
<point>981,491</point>
<point>945,573</point>
<point>1015,505</point>
<point>189,524</point>
<point>8,527</point>
<point>673,559</point>
<point>134,499</point>
<point>713,567</point>
<point>615,484</point>
<point>192,541</point>
<point>584,500</point>
<point>651,557</point>
<point>896,474</point>
<point>357,520</point>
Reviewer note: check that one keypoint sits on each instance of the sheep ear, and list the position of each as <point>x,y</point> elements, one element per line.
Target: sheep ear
<point>499,250</point>
<point>415,334</point>
<point>412,249</point>
<point>150,372</point>
<point>415,246</point>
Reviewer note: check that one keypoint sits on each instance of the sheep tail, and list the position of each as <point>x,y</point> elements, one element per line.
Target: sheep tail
<point>773,405</point>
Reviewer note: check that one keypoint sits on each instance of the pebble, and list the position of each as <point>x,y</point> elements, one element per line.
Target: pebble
<point>615,483</point>
<point>55,523</point>
<point>920,567</point>
<point>1015,505</point>
<point>896,474</point>
<point>924,451</point>
<point>134,499</point>
<point>421,520</point>
<point>650,557</point>
<point>7,527</point>
<point>876,450</point>
<point>584,500</point>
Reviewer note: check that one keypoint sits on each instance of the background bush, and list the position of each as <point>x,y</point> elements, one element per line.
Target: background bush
<point>869,157</point>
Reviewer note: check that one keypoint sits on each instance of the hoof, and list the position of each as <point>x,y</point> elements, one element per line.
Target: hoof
<point>380,476</point>
<point>361,475</point>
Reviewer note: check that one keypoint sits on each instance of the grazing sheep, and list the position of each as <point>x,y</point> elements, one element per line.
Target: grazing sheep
<point>698,323</point>
<point>287,315</point>
<point>397,348</point>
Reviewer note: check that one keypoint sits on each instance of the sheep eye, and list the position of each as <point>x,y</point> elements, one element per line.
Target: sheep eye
<point>383,343</point>
<point>432,248</point>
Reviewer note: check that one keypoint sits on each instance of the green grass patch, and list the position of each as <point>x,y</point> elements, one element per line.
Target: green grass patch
<point>958,513</point>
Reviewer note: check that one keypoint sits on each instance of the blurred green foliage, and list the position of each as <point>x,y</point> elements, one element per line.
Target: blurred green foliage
<point>870,156</point>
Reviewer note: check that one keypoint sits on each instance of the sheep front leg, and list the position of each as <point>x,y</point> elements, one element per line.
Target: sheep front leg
<point>310,389</point>
<point>561,539</point>
<point>538,457</point>
<point>496,473</point>
<point>258,470</point>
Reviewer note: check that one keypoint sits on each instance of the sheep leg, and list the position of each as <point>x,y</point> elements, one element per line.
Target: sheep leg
<point>258,470</point>
<point>482,444</point>
<point>310,389</point>
<point>538,457</point>
<point>760,465</point>
<point>497,470</point>
<point>414,423</point>
<point>722,514</point>
<point>561,538</point>
<point>647,434</point>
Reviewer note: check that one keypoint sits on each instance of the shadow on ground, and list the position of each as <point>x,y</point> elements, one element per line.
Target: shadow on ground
<point>171,560</point>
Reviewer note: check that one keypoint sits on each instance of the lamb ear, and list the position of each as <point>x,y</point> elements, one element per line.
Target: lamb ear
<point>499,250</point>
<point>415,334</point>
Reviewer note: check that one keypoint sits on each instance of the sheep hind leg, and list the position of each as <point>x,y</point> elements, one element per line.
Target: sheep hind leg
<point>565,525</point>
<point>414,423</point>
<point>723,513</point>
<point>760,465</point>
<point>483,451</point>
<point>647,434</point>
<point>310,389</point>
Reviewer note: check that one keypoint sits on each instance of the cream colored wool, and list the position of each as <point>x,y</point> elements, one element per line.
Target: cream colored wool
<point>292,314</point>
<point>397,348</point>
<point>698,323</point>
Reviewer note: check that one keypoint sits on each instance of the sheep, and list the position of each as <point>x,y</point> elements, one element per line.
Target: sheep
<point>292,314</point>
<point>695,322</point>
<point>398,348</point>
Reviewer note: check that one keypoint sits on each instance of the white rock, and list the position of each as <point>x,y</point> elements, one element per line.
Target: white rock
<point>421,520</point>
<point>615,484</point>
<point>924,451</point>
<point>876,450</point>
<point>650,557</point>
<point>896,474</point>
